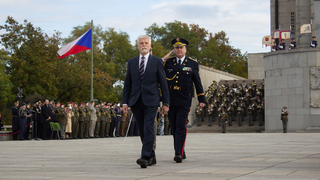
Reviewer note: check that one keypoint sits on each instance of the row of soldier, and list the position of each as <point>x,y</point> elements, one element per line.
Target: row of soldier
<point>233,103</point>
<point>86,120</point>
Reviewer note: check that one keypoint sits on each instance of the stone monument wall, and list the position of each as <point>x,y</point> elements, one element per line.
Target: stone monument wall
<point>292,80</point>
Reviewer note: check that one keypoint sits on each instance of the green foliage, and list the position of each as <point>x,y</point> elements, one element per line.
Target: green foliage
<point>213,51</point>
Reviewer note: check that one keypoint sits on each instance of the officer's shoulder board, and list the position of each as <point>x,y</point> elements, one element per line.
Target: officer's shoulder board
<point>192,59</point>
<point>170,59</point>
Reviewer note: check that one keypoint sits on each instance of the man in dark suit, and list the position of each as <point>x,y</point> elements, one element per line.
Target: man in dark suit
<point>144,75</point>
<point>45,111</point>
<point>182,72</point>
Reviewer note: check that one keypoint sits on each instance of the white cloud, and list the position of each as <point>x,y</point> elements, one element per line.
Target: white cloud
<point>244,21</point>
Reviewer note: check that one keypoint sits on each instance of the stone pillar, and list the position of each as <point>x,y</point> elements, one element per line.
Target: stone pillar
<point>303,10</point>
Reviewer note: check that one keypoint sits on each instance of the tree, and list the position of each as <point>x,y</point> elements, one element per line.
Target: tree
<point>213,51</point>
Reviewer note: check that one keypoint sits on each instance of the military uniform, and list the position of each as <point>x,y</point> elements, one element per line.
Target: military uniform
<point>63,120</point>
<point>210,114</point>
<point>224,119</point>
<point>198,112</point>
<point>108,122</point>
<point>82,118</point>
<point>75,122</point>
<point>15,122</point>
<point>239,115</point>
<point>87,122</point>
<point>181,74</point>
<point>123,124</point>
<point>97,128</point>
<point>103,121</point>
<point>230,114</point>
<point>23,121</point>
<point>284,118</point>
<point>250,114</point>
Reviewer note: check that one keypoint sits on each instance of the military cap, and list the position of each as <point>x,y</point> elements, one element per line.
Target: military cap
<point>29,103</point>
<point>71,102</point>
<point>83,103</point>
<point>285,107</point>
<point>23,104</point>
<point>179,42</point>
<point>97,103</point>
<point>75,103</point>
<point>58,102</point>
<point>16,101</point>
<point>62,104</point>
<point>86,102</point>
<point>313,37</point>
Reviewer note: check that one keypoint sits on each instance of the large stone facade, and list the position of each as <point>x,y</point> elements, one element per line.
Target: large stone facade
<point>290,81</point>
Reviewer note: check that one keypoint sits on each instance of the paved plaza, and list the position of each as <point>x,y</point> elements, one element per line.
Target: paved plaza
<point>236,156</point>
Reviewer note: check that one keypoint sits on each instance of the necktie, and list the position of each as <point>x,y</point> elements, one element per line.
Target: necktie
<point>179,63</point>
<point>141,68</point>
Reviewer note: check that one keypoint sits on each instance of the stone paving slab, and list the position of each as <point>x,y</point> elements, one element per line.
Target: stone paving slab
<point>214,156</point>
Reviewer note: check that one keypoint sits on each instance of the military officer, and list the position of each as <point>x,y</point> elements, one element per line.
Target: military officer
<point>314,42</point>
<point>198,115</point>
<point>82,117</point>
<point>230,114</point>
<point>284,119</point>
<point>15,120</point>
<point>181,72</point>
<point>87,120</point>
<point>108,119</point>
<point>103,120</point>
<point>75,121</point>
<point>224,120</point>
<point>23,115</point>
<point>29,110</point>
<point>210,114</point>
<point>250,114</point>
<point>98,121</point>
<point>239,115</point>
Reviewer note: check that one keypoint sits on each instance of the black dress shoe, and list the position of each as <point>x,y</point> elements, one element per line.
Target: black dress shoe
<point>143,162</point>
<point>177,158</point>
<point>184,155</point>
<point>152,161</point>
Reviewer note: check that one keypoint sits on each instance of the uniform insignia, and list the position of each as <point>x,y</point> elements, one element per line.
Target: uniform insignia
<point>184,64</point>
<point>178,39</point>
<point>193,59</point>
<point>169,70</point>
<point>187,69</point>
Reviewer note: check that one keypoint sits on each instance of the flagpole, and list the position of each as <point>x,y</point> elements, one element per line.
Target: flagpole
<point>91,91</point>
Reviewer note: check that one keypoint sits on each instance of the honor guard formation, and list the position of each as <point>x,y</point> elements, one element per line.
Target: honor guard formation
<point>232,104</point>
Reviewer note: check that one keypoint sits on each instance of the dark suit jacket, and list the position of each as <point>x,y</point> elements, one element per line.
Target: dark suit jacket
<point>147,87</point>
<point>45,111</point>
<point>181,80</point>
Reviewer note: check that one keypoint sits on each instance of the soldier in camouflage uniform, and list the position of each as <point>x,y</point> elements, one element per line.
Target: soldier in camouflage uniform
<point>87,121</point>
<point>224,119</point>
<point>103,120</point>
<point>75,121</point>
<point>98,113</point>
<point>82,118</point>
<point>108,119</point>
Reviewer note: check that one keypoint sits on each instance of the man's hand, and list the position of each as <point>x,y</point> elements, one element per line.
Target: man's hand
<point>164,109</point>
<point>125,108</point>
<point>202,105</point>
<point>166,57</point>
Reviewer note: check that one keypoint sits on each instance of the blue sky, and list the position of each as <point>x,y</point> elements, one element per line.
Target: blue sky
<point>244,21</point>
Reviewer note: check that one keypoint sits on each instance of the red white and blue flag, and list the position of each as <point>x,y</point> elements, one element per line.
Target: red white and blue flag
<point>80,44</point>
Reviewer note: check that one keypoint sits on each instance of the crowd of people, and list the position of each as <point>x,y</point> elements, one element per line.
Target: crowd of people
<point>292,45</point>
<point>83,120</point>
<point>232,103</point>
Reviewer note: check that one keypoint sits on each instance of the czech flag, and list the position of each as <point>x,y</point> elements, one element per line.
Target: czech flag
<point>80,44</point>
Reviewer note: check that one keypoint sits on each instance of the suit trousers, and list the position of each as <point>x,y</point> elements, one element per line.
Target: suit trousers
<point>145,119</point>
<point>102,128</point>
<point>92,127</point>
<point>97,128</point>
<point>178,116</point>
